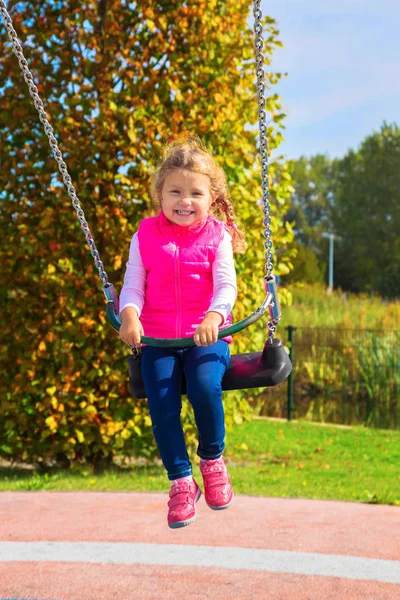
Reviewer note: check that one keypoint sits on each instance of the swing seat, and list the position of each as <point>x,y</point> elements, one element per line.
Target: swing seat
<point>251,370</point>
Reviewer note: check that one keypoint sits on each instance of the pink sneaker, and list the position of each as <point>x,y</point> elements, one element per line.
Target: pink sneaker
<point>218,490</point>
<point>182,509</point>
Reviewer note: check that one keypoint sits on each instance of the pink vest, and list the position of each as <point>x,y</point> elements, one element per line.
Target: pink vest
<point>179,283</point>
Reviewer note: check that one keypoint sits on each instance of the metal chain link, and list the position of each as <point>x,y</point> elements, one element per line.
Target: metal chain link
<point>266,206</point>
<point>271,326</point>
<point>52,140</point>
<point>259,46</point>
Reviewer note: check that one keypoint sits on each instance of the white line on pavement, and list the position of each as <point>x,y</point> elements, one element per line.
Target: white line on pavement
<point>275,561</point>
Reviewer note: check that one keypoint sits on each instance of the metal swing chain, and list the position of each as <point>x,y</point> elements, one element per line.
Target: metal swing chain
<point>259,46</point>
<point>52,140</point>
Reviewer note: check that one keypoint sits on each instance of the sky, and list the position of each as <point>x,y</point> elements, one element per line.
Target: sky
<point>342,60</point>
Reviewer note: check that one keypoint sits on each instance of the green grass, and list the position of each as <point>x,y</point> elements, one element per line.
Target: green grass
<point>266,458</point>
<point>309,460</point>
<point>313,307</point>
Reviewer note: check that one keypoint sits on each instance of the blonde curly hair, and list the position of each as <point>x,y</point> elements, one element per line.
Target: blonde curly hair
<point>190,153</point>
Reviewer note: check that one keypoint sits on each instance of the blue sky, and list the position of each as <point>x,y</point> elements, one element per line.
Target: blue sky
<point>343,63</point>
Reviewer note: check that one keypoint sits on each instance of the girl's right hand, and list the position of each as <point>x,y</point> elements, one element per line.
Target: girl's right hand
<point>131,330</point>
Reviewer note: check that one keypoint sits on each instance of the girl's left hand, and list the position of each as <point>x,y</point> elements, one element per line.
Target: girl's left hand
<point>207,332</point>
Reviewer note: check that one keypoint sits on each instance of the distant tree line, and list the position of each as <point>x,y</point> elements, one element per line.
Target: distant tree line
<point>357,198</point>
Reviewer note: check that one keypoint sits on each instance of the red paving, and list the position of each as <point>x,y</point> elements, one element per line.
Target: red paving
<point>96,582</point>
<point>298,525</point>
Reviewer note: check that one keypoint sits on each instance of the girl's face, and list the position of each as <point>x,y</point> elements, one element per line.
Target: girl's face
<point>186,197</point>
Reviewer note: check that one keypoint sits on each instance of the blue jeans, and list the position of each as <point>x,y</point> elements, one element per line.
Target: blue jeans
<point>204,367</point>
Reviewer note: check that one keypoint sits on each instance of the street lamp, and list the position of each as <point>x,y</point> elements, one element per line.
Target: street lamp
<point>331,237</point>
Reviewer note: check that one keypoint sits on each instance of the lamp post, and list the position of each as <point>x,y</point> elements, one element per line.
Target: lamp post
<point>331,237</point>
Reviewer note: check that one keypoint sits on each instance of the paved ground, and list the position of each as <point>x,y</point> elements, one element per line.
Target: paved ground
<point>99,546</point>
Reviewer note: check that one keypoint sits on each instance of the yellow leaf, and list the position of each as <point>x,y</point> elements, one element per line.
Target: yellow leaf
<point>243,446</point>
<point>282,269</point>
<point>131,131</point>
<point>42,346</point>
<point>51,423</point>
<point>219,98</point>
<point>230,163</point>
<point>51,269</point>
<point>150,24</point>
<point>79,435</point>
<point>51,390</point>
<point>111,428</point>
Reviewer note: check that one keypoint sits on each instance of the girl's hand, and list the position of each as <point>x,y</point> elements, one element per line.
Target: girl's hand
<point>131,329</point>
<point>207,332</point>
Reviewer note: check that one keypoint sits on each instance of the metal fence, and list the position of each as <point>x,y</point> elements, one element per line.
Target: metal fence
<point>347,376</point>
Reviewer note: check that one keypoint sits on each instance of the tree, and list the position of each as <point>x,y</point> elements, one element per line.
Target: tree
<point>306,267</point>
<point>311,199</point>
<point>366,214</point>
<point>118,78</point>
<point>356,197</point>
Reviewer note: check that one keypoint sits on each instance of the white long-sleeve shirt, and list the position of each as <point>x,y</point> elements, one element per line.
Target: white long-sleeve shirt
<point>223,271</point>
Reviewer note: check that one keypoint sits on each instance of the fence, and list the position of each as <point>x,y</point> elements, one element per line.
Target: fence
<point>346,376</point>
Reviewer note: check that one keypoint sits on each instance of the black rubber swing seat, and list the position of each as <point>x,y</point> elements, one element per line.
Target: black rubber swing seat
<point>251,370</point>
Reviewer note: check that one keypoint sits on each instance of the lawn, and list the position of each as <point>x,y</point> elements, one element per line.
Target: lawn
<point>266,457</point>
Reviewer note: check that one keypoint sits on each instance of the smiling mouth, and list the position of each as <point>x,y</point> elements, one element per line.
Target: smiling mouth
<point>184,213</point>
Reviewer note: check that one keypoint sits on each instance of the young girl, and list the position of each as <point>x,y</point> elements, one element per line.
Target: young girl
<point>180,281</point>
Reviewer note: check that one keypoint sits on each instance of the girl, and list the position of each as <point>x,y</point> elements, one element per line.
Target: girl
<point>180,281</point>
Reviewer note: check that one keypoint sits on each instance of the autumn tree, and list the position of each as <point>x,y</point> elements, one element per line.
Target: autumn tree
<point>119,79</point>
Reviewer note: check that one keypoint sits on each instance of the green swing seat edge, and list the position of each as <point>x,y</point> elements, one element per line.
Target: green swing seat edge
<point>249,370</point>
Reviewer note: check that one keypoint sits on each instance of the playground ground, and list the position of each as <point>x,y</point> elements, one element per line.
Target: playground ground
<point>107,545</point>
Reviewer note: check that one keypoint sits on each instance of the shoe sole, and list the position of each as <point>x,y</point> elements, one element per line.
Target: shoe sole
<point>180,524</point>
<point>220,507</point>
